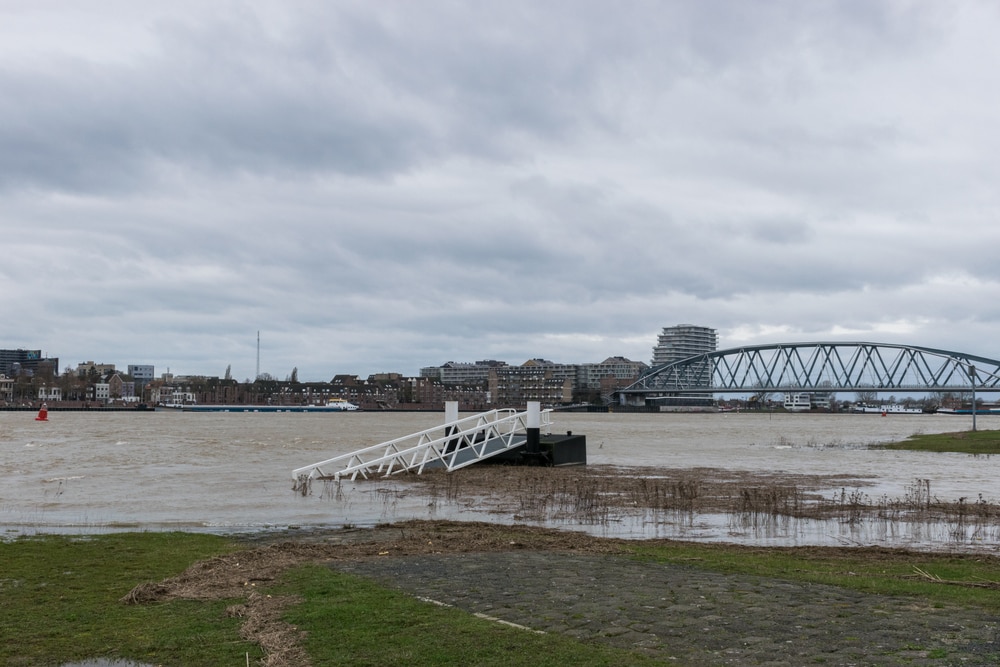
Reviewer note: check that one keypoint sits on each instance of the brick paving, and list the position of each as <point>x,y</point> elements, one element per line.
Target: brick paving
<point>687,616</point>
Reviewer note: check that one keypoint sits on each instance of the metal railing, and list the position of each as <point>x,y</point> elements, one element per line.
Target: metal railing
<point>452,445</point>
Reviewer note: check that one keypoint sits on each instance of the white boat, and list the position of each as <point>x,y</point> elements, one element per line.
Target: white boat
<point>334,405</point>
<point>340,404</point>
<point>798,402</point>
<point>887,409</point>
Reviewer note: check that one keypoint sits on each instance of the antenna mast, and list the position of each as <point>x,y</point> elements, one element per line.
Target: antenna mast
<point>257,377</point>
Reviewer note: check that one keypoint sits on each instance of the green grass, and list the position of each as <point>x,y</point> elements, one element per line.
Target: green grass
<point>351,621</point>
<point>60,601</point>
<point>962,442</point>
<point>869,570</point>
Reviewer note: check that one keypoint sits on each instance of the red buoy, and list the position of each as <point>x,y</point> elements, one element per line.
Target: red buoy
<point>43,414</point>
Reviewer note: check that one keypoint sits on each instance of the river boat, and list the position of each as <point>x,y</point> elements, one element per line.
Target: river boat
<point>887,409</point>
<point>333,405</point>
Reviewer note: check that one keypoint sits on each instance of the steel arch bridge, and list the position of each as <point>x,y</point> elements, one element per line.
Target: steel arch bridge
<point>819,367</point>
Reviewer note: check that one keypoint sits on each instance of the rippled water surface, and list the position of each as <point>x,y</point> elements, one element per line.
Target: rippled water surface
<point>93,472</point>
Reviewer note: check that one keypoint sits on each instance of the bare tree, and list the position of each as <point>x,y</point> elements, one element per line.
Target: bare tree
<point>867,396</point>
<point>760,395</point>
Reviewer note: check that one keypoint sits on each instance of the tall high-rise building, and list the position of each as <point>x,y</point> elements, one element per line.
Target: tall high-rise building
<point>13,362</point>
<point>683,341</point>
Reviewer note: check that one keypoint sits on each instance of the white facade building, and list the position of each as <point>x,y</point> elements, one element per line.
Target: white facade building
<point>49,394</point>
<point>683,341</point>
<point>102,391</point>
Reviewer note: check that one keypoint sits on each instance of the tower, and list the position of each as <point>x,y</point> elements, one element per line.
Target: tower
<point>683,341</point>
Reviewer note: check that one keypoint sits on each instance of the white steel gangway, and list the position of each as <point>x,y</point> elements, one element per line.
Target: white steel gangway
<point>455,444</point>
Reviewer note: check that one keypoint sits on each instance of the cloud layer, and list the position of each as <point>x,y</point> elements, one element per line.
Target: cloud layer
<point>386,186</point>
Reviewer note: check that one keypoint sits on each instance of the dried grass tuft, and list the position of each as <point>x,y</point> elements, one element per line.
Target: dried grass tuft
<point>262,624</point>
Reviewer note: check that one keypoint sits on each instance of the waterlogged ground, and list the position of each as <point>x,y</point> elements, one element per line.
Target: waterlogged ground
<point>703,504</point>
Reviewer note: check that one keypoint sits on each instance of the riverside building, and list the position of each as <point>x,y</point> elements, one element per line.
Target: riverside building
<point>16,362</point>
<point>462,373</point>
<point>682,341</point>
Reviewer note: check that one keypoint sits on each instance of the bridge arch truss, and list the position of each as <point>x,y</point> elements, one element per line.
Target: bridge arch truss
<point>820,367</point>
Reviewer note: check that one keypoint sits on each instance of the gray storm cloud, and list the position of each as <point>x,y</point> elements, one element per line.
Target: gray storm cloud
<point>387,186</point>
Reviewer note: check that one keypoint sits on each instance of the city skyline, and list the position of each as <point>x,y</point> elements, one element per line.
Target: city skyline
<point>378,186</point>
<point>122,368</point>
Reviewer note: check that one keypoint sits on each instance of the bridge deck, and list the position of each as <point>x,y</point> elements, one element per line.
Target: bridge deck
<point>822,367</point>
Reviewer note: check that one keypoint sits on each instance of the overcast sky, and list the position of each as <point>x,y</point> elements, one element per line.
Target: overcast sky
<point>381,186</point>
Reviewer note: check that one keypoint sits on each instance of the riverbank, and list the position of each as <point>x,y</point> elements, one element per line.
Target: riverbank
<point>678,611</point>
<point>79,408</point>
<point>977,443</point>
<point>502,595</point>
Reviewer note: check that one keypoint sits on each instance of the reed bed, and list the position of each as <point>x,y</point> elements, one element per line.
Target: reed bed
<point>600,495</point>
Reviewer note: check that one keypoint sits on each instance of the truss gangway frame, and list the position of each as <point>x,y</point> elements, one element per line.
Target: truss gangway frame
<point>452,445</point>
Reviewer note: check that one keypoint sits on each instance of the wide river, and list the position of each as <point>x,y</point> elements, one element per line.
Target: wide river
<point>95,472</point>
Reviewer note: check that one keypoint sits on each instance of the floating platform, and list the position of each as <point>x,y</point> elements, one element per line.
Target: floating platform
<point>553,450</point>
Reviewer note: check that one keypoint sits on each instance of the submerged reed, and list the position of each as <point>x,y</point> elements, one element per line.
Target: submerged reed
<point>600,495</point>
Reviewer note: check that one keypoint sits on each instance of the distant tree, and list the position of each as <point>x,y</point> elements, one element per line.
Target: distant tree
<point>949,400</point>
<point>760,395</point>
<point>229,372</point>
<point>294,377</point>
<point>72,385</point>
<point>867,396</point>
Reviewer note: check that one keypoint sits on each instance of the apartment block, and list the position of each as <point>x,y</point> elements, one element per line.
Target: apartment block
<point>682,341</point>
<point>141,374</point>
<point>535,380</point>
<point>455,373</point>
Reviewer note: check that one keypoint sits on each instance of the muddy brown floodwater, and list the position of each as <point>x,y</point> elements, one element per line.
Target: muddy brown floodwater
<point>765,479</point>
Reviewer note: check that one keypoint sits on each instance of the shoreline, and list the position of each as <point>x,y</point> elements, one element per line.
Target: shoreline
<point>633,503</point>
<point>606,591</point>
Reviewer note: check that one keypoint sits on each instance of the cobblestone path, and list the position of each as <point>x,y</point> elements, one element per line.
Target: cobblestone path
<point>688,616</point>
